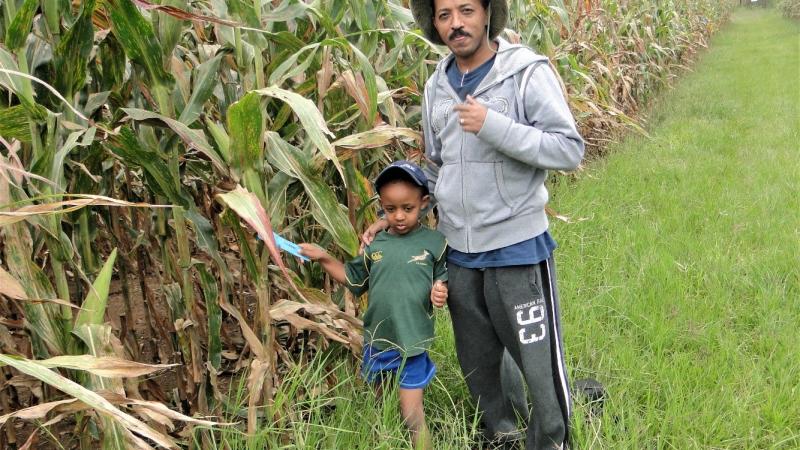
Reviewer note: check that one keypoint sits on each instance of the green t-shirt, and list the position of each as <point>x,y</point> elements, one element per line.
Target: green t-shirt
<point>399,271</point>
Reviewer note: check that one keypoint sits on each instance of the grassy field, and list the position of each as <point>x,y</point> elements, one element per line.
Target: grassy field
<point>680,289</point>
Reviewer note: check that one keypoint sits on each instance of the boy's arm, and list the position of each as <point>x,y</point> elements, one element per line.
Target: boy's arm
<point>331,265</point>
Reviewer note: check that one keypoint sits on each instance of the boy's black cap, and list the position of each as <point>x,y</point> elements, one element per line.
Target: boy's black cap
<point>411,169</point>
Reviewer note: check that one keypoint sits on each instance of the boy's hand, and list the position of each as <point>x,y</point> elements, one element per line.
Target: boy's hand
<point>312,251</point>
<point>439,293</point>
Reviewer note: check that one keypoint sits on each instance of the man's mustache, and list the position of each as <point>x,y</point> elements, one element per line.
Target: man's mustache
<point>457,33</point>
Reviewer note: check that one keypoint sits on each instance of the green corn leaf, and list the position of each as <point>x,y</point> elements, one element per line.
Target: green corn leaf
<point>20,26</point>
<point>127,146</point>
<point>313,123</point>
<point>19,86</point>
<point>113,62</point>
<point>52,14</point>
<point>206,240</point>
<point>44,318</point>
<point>246,131</point>
<point>136,35</point>
<point>220,138</point>
<point>169,27</point>
<point>191,137</point>
<point>14,123</point>
<point>72,53</point>
<point>325,207</point>
<point>205,80</point>
<point>93,309</point>
<point>211,295</point>
<point>289,67</point>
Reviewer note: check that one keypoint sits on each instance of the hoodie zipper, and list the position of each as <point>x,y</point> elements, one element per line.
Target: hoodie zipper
<point>455,96</point>
<point>481,89</point>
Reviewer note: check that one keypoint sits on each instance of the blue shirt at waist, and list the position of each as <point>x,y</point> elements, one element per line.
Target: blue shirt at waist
<point>532,251</point>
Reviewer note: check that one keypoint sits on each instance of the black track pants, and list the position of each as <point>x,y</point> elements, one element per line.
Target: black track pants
<point>516,309</point>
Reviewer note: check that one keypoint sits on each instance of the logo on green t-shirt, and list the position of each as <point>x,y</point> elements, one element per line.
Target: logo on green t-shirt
<point>420,260</point>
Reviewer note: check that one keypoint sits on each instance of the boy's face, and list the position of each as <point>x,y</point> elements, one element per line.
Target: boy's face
<point>402,202</point>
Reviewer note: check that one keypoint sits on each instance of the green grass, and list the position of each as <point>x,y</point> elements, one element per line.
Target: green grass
<point>680,292</point>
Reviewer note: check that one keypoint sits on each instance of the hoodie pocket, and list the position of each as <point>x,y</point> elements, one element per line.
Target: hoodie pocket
<point>515,183</point>
<point>449,196</point>
<point>488,203</point>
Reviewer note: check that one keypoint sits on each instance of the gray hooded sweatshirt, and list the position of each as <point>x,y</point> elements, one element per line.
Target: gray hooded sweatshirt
<point>489,186</point>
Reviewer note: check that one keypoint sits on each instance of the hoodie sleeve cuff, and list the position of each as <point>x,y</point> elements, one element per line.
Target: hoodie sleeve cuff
<point>495,128</point>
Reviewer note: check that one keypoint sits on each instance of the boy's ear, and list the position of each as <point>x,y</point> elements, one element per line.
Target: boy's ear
<point>425,200</point>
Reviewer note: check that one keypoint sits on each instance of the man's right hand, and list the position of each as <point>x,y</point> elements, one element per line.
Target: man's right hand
<point>369,234</point>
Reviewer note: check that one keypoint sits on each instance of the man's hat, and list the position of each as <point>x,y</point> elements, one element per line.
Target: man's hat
<point>411,169</point>
<point>423,15</point>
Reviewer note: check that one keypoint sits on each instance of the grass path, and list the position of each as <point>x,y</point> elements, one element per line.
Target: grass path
<point>681,292</point>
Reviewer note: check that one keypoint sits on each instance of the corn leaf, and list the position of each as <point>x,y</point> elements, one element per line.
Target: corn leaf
<point>35,412</point>
<point>44,319</point>
<point>313,123</point>
<point>72,53</point>
<point>104,366</point>
<point>205,80</point>
<point>14,123</point>
<point>10,287</point>
<point>211,295</point>
<point>93,399</point>
<point>127,146</point>
<point>193,138</point>
<point>249,208</point>
<point>325,207</point>
<point>93,309</point>
<point>377,137</point>
<point>66,206</point>
<point>246,130</point>
<point>20,25</point>
<point>136,35</point>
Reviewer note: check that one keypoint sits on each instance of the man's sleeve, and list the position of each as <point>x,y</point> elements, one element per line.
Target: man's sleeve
<point>550,139</point>
<point>433,146</point>
<point>356,271</point>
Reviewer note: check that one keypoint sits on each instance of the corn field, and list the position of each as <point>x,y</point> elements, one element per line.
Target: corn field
<point>790,8</point>
<point>149,150</point>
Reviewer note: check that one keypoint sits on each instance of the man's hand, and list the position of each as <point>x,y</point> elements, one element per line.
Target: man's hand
<point>369,234</point>
<point>471,114</point>
<point>439,293</point>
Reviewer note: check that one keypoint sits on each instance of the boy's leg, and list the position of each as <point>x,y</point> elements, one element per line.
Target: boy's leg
<point>411,407</point>
<point>531,330</point>
<point>480,353</point>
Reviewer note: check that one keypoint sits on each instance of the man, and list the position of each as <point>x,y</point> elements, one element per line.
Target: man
<point>494,121</point>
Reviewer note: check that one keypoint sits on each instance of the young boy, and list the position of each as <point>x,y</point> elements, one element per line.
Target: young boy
<point>404,271</point>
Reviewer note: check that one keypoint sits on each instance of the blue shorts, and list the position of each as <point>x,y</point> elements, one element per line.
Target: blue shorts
<point>416,372</point>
